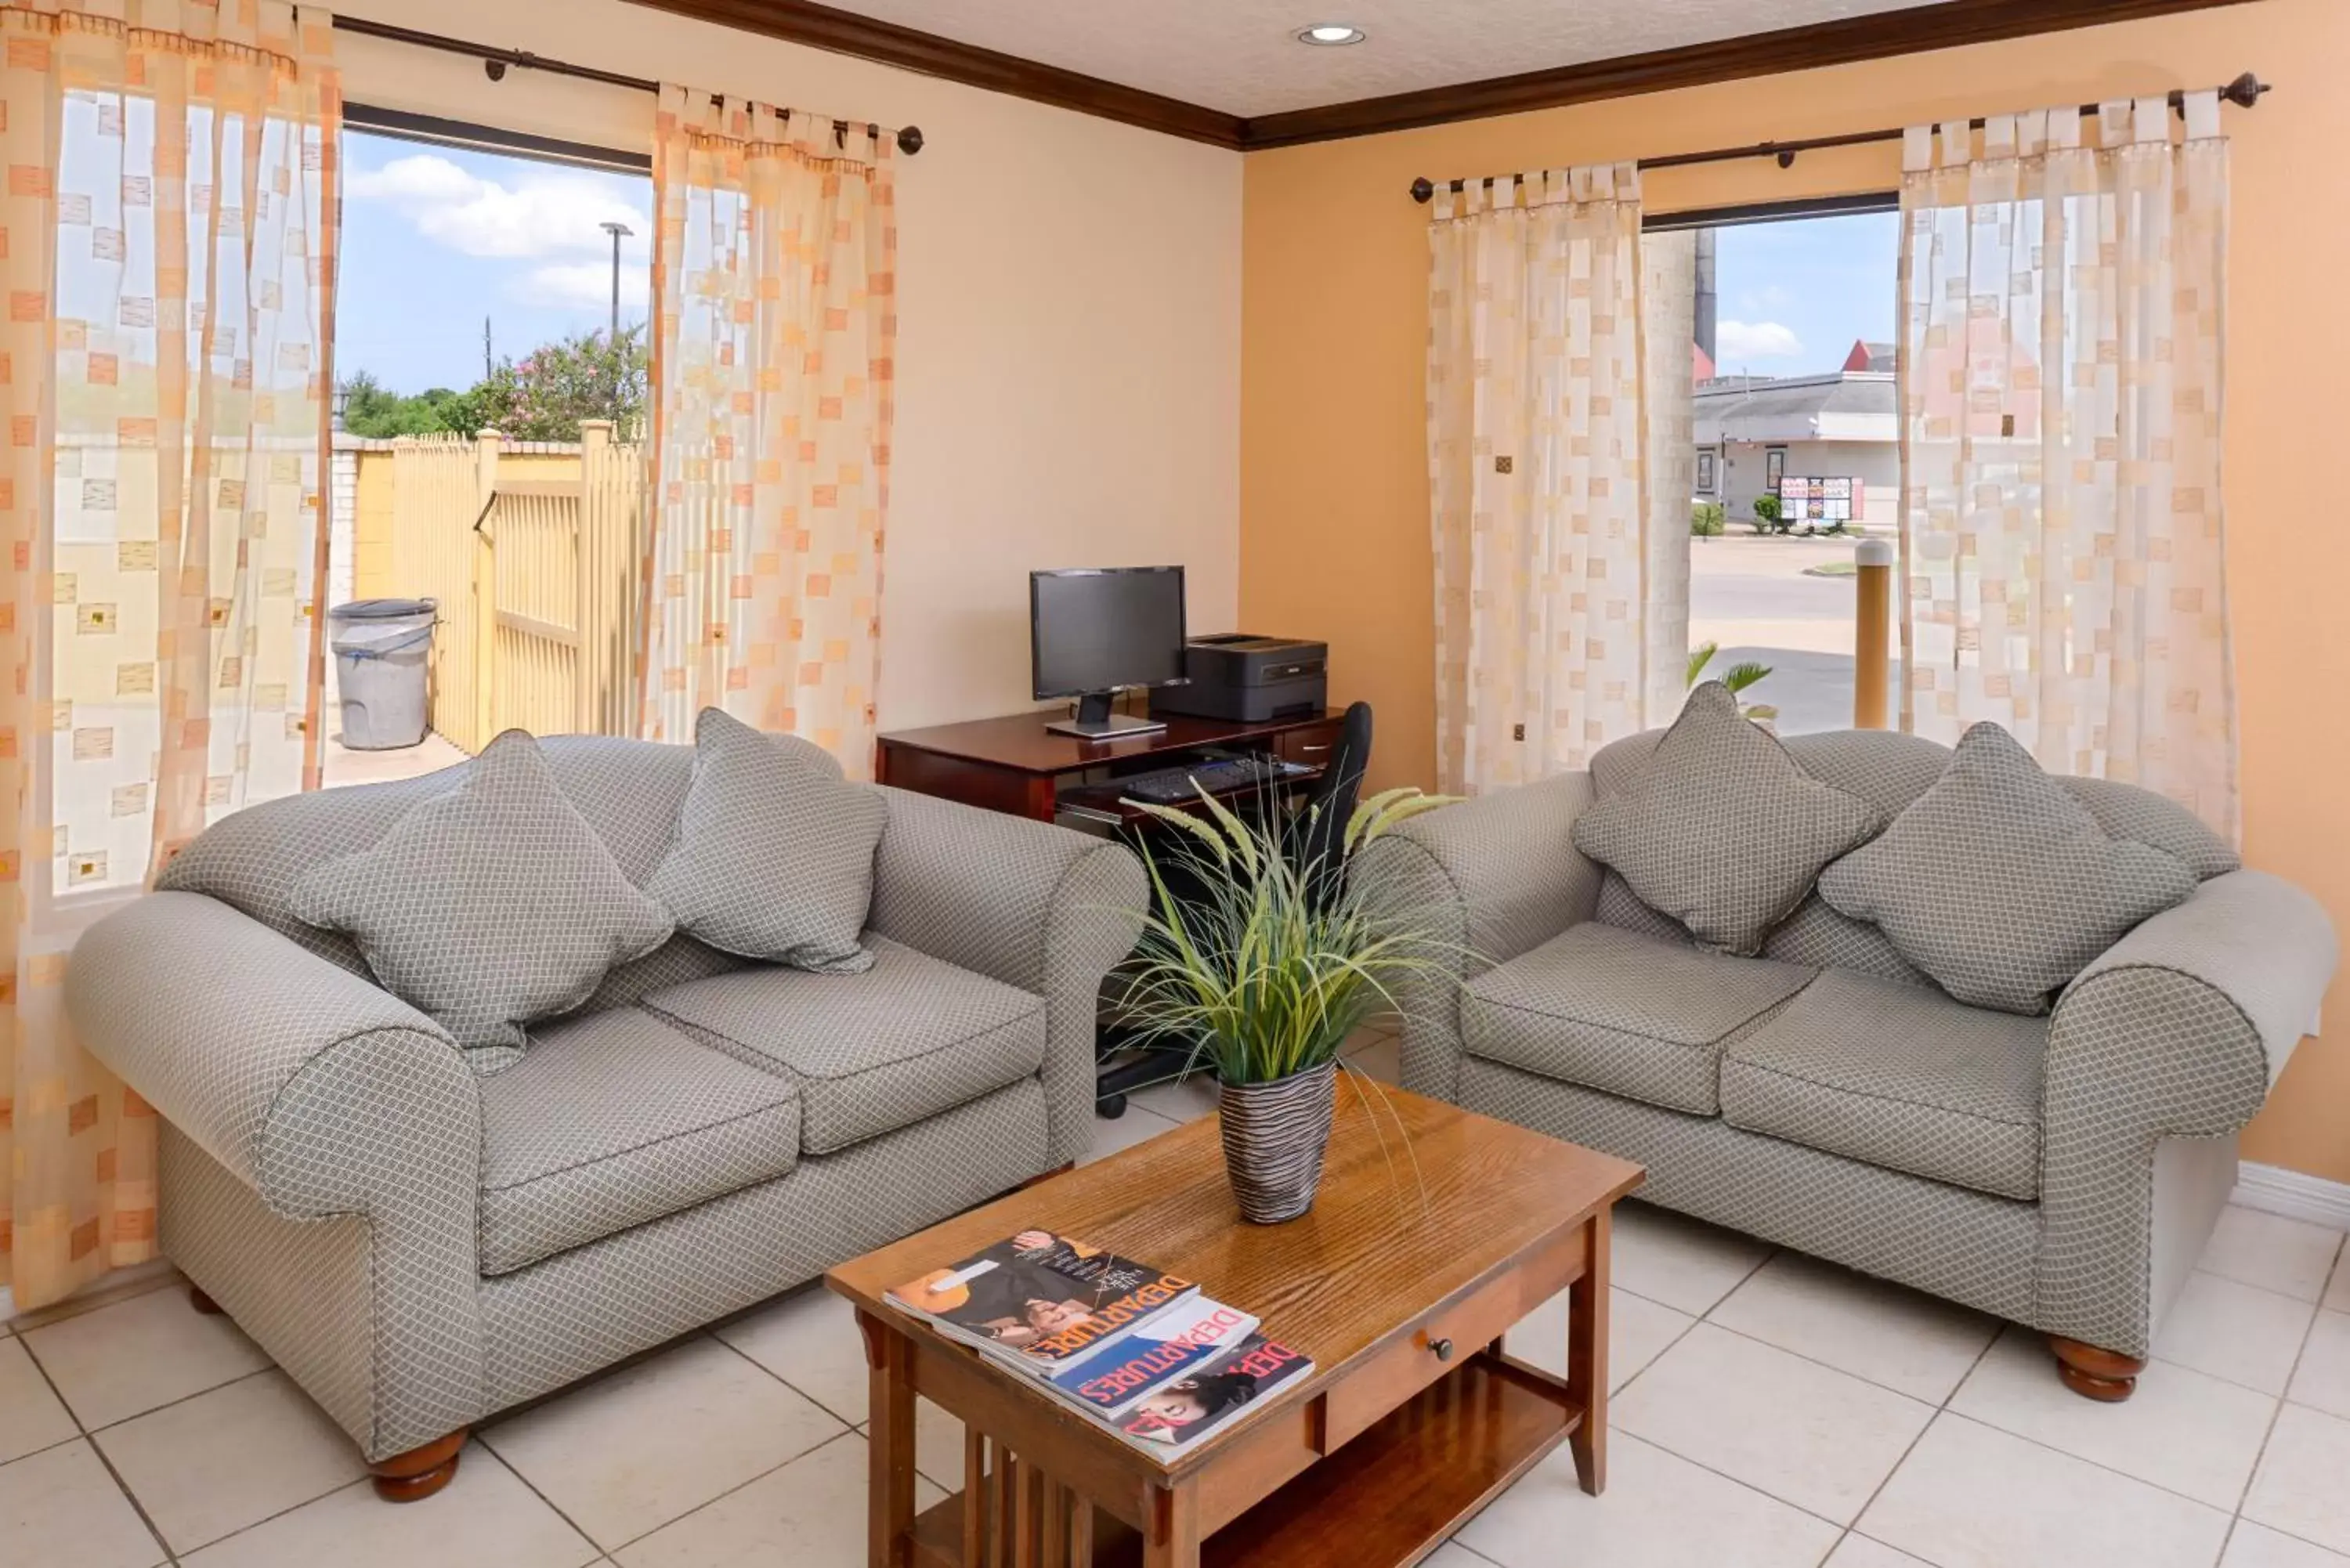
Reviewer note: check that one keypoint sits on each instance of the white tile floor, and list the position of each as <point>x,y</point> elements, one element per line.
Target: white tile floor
<point>1770,1410</point>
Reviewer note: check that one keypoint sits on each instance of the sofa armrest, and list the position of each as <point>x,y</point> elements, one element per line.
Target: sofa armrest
<point>1485,881</point>
<point>1035,906</point>
<point>2178,1031</point>
<point>322,1092</point>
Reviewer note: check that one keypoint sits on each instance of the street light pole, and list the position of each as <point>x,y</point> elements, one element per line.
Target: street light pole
<point>618,231</point>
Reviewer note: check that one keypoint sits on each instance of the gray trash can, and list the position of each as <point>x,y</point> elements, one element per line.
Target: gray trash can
<point>381,647</point>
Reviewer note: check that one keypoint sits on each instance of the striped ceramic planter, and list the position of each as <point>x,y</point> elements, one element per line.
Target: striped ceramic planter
<point>1275,1136</point>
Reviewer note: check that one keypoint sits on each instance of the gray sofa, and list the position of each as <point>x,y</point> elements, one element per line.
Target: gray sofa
<point>420,1247</point>
<point>2062,1171</point>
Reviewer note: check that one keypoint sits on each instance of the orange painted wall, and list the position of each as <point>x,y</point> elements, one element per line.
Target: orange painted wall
<point>1333,488</point>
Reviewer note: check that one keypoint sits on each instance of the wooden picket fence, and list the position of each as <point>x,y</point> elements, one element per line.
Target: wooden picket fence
<point>534,576</point>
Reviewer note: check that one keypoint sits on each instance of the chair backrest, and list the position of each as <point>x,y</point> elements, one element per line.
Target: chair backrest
<point>1317,832</point>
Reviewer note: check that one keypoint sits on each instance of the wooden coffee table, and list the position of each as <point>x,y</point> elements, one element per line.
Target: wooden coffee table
<point>1435,1231</point>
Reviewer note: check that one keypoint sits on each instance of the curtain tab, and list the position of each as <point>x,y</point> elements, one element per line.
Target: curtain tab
<point>2064,129</point>
<point>2032,133</point>
<point>2203,114</point>
<point>2114,122</point>
<point>1958,147</point>
<point>1628,181</point>
<point>1999,136</point>
<point>2150,119</point>
<point>1917,150</point>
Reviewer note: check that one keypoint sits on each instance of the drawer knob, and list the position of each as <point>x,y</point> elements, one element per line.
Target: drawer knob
<point>1443,1348</point>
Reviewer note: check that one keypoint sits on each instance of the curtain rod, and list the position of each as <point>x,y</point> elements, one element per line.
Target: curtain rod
<point>497,62</point>
<point>2244,93</point>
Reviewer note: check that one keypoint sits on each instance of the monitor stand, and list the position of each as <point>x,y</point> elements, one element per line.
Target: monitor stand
<point>1095,722</point>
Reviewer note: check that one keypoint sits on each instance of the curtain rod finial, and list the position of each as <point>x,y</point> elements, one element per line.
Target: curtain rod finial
<point>2245,90</point>
<point>910,140</point>
<point>1423,191</point>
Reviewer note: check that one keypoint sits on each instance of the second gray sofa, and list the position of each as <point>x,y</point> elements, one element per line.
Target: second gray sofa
<point>2062,1171</point>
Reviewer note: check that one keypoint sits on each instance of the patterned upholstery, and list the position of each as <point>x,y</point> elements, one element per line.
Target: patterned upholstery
<point>1999,883</point>
<point>583,1309</point>
<point>614,1119</point>
<point>1627,1014</point>
<point>2176,1033</point>
<point>1967,1246</point>
<point>1517,849</point>
<point>488,906</point>
<point>325,1154</point>
<point>1900,1076</point>
<point>1722,830</point>
<point>871,1053</point>
<point>773,857</point>
<point>1039,908</point>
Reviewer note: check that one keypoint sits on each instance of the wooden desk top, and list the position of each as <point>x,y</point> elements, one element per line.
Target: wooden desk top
<point>1019,742</point>
<point>1421,1201</point>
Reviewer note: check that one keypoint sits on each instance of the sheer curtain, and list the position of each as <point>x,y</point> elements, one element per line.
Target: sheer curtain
<point>169,266</point>
<point>1546,645</point>
<point>2063,298</point>
<point>775,277</point>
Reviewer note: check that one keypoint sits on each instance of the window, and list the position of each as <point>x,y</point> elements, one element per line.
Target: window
<point>1774,468</point>
<point>1707,458</point>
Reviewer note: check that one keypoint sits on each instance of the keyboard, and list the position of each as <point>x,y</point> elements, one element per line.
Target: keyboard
<point>1172,786</point>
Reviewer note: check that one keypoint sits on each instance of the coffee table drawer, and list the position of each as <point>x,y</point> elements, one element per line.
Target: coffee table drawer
<point>1444,1337</point>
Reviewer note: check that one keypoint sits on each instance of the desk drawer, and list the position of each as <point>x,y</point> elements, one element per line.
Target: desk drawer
<point>1311,745</point>
<point>1448,1336</point>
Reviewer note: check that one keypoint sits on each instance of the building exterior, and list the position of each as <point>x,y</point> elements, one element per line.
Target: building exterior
<point>1753,430</point>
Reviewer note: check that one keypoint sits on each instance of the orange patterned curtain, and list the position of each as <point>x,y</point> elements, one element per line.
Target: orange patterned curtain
<point>2063,299</point>
<point>169,268</point>
<point>775,275</point>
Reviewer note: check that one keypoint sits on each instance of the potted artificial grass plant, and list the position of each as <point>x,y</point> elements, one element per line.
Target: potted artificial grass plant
<point>1261,957</point>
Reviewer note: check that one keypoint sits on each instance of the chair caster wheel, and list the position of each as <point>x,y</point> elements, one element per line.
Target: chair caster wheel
<point>1110,1108</point>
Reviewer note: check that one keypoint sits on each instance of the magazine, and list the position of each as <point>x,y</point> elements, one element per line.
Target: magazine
<point>1037,1300</point>
<point>1112,1378</point>
<point>1179,1413</point>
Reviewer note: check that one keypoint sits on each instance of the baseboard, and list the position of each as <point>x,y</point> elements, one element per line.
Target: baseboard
<point>7,1305</point>
<point>2272,1189</point>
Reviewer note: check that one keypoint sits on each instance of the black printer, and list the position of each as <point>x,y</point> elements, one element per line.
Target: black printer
<point>1248,678</point>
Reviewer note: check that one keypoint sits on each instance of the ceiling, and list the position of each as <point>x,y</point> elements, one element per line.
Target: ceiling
<point>1242,57</point>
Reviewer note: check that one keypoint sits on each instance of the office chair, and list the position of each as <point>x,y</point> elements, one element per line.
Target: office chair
<point>1312,836</point>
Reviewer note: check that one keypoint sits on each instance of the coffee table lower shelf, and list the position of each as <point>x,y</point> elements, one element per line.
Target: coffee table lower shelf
<point>1383,1500</point>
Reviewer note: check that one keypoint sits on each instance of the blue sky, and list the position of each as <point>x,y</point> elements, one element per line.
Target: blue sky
<point>1796,294</point>
<point>435,238</point>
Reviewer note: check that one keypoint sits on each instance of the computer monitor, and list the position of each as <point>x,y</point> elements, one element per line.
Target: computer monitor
<point>1095,630</point>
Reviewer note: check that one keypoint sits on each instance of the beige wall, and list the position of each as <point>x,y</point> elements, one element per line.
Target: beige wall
<point>1069,322</point>
<point>1334,479</point>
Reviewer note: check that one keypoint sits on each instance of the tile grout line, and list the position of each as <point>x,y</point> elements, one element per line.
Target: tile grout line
<point>771,1372</point>
<point>84,1435</point>
<point>1895,1469</point>
<point>2260,1453</point>
<point>552,1507</point>
<point>730,1491</point>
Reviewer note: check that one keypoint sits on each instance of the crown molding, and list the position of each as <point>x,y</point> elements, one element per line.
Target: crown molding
<point>1949,24</point>
<point>927,54</point>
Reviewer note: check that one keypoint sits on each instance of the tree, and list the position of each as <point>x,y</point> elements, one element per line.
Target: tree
<point>544,396</point>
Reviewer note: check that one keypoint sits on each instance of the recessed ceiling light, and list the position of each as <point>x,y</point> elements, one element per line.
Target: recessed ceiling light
<point>1331,35</point>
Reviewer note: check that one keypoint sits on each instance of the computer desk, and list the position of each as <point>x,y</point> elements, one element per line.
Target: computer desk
<point>1015,764</point>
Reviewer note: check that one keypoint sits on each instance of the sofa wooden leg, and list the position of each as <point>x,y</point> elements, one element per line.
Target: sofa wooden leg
<point>419,1472</point>
<point>2094,1374</point>
<point>202,1303</point>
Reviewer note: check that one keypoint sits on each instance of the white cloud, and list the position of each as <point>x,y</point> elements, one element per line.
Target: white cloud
<point>1736,342</point>
<point>542,215</point>
<point>586,285</point>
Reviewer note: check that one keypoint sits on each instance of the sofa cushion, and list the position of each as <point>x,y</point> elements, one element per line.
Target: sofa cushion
<point>773,857</point>
<point>616,1119</point>
<point>1613,1010</point>
<point>1998,881</point>
<point>488,906</point>
<point>872,1052</point>
<point>1722,830</point>
<point>1898,1076</point>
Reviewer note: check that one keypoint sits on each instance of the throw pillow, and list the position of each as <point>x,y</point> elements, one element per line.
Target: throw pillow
<point>773,854</point>
<point>1722,830</point>
<point>1999,883</point>
<point>489,906</point>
